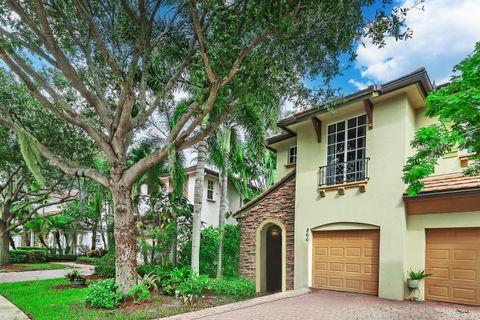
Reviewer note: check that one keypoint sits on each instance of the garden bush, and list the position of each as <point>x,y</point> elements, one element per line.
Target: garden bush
<point>236,288</point>
<point>28,256</point>
<point>103,294</point>
<point>63,257</point>
<point>193,287</point>
<point>172,279</point>
<point>31,248</point>
<point>100,252</point>
<point>139,293</point>
<point>105,271</point>
<point>209,250</point>
<point>107,260</point>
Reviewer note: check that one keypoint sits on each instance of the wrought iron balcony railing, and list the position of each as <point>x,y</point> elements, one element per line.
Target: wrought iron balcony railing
<point>344,172</point>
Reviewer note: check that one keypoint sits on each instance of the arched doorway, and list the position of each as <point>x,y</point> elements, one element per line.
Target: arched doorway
<point>274,258</point>
<point>271,256</point>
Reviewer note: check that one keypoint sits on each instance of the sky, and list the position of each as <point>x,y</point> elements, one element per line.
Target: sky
<point>444,33</point>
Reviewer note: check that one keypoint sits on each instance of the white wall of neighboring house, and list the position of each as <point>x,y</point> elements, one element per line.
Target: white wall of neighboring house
<point>211,208</point>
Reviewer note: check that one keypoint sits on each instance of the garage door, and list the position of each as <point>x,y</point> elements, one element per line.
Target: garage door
<point>346,260</point>
<point>453,257</point>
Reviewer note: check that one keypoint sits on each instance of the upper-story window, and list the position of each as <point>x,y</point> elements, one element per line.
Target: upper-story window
<point>346,153</point>
<point>209,189</point>
<point>292,155</point>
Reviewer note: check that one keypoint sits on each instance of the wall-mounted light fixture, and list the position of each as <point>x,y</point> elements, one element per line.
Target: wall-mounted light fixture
<point>307,235</point>
<point>274,231</point>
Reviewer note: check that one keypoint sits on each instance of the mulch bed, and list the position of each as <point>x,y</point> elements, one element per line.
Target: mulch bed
<point>11,267</point>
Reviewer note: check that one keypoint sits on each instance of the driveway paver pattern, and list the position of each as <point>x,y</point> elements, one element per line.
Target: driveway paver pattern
<point>326,305</point>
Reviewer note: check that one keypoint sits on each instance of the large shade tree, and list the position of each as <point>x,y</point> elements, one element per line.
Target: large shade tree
<point>456,106</point>
<point>113,68</point>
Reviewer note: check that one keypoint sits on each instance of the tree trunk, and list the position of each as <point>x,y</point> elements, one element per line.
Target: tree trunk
<point>57,239</point>
<point>4,243</point>
<point>94,236</point>
<point>221,219</point>
<point>12,243</point>
<point>125,238</point>
<point>197,205</point>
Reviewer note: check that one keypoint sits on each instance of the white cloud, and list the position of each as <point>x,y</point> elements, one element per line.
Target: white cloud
<point>443,34</point>
<point>359,85</point>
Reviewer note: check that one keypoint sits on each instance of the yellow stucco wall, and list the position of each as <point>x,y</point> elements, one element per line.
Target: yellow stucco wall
<point>282,157</point>
<point>381,205</point>
<point>416,240</point>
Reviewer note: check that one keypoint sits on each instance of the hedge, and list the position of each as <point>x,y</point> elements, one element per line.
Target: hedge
<point>31,248</point>
<point>63,257</point>
<point>105,271</point>
<point>28,256</point>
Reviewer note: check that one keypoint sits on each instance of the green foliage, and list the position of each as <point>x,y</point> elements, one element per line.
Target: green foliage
<point>105,271</point>
<point>139,293</point>
<point>28,256</point>
<point>31,156</point>
<point>103,294</point>
<point>106,260</point>
<point>63,257</point>
<point>74,274</point>
<point>172,279</point>
<point>149,280</point>
<point>31,248</point>
<point>456,107</point>
<point>236,288</point>
<point>193,287</point>
<point>209,250</point>
<point>419,275</point>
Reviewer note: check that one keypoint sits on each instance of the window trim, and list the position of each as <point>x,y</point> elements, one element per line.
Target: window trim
<point>289,155</point>
<point>210,190</point>
<point>345,121</point>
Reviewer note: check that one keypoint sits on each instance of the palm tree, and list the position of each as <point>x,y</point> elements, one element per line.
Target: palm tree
<point>197,204</point>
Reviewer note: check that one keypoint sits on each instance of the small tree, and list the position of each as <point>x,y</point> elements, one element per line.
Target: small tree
<point>457,108</point>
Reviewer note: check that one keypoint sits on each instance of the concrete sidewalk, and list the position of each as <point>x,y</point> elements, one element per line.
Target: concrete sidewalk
<point>8,311</point>
<point>6,277</point>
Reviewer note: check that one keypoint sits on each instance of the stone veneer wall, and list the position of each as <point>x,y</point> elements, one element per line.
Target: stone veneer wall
<point>279,205</point>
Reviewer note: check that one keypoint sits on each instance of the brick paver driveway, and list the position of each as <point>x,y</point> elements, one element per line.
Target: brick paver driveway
<point>326,305</point>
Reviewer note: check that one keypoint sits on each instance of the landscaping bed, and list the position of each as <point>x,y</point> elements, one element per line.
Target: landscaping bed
<point>41,300</point>
<point>19,267</point>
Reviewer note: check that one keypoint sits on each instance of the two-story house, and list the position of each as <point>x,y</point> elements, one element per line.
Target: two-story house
<point>338,217</point>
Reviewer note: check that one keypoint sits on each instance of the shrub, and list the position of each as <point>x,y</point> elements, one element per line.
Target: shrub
<point>31,248</point>
<point>209,250</point>
<point>235,288</point>
<point>193,287</point>
<point>105,271</point>
<point>100,252</point>
<point>63,257</point>
<point>139,293</point>
<point>149,280</point>
<point>103,294</point>
<point>86,259</point>
<point>107,260</point>
<point>28,256</point>
<point>74,274</point>
<point>170,280</point>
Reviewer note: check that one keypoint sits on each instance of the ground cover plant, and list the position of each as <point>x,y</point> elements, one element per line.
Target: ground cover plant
<point>65,302</point>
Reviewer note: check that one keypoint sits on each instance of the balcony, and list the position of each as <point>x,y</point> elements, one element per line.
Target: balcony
<point>341,175</point>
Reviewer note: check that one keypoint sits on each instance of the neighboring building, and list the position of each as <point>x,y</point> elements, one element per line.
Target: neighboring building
<point>211,195</point>
<point>338,217</point>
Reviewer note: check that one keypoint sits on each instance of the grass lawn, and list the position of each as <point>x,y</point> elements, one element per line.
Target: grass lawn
<point>42,301</point>
<point>31,267</point>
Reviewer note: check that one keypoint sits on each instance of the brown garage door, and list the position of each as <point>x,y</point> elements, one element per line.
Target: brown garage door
<point>453,257</point>
<point>346,260</point>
